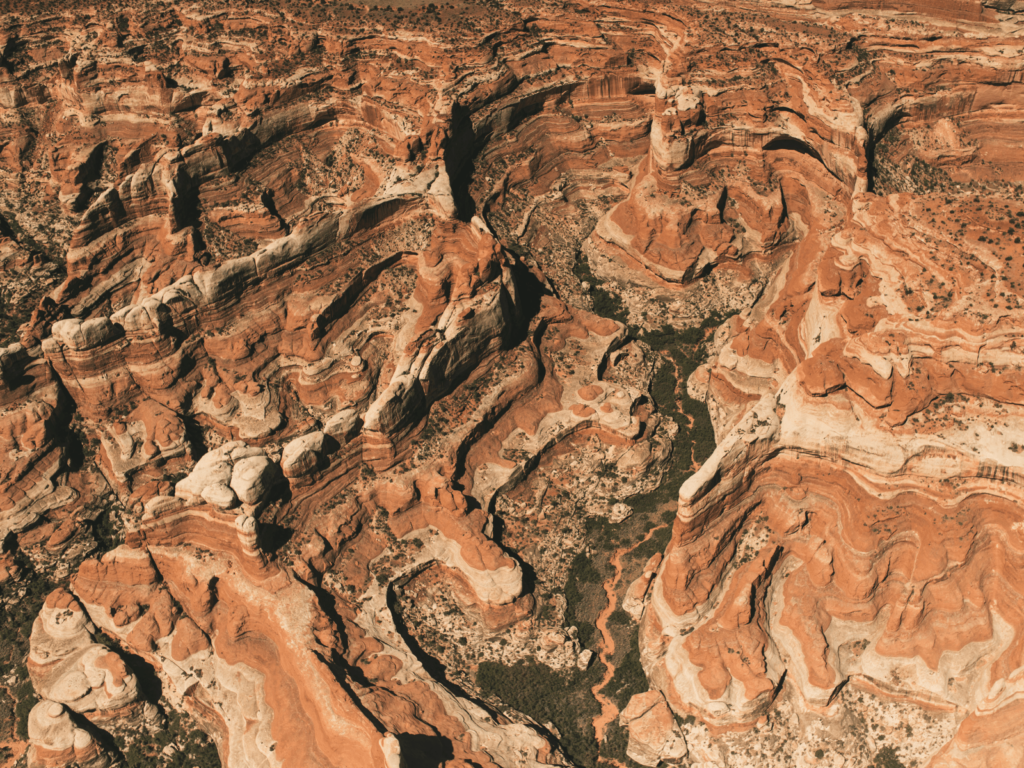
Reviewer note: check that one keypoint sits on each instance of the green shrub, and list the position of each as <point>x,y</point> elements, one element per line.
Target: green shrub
<point>561,697</point>
<point>629,678</point>
<point>583,569</point>
<point>620,618</point>
<point>565,698</point>
<point>7,717</point>
<point>16,621</point>
<point>26,698</point>
<point>195,748</point>
<point>886,758</point>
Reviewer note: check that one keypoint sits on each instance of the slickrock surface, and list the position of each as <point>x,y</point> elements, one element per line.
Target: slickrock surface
<point>56,742</point>
<point>68,667</point>
<point>512,384</point>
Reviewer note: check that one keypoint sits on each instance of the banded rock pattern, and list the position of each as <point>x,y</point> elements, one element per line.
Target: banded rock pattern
<point>314,303</point>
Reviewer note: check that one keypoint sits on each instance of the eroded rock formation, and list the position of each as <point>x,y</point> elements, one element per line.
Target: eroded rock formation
<point>324,320</point>
<point>55,741</point>
<point>67,666</point>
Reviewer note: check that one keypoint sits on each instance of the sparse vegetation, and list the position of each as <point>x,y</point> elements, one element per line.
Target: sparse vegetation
<point>18,609</point>
<point>682,350</point>
<point>886,757</point>
<point>189,746</point>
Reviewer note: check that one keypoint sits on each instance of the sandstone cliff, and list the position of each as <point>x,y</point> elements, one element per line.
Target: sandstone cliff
<point>355,357</point>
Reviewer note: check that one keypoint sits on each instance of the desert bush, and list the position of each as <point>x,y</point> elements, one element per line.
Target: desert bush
<point>562,698</point>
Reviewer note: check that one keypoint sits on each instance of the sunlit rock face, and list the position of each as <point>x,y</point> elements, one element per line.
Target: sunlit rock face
<point>300,297</point>
<point>863,496</point>
<point>68,667</point>
<point>55,741</point>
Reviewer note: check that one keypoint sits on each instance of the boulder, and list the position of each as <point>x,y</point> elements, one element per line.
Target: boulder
<point>302,455</point>
<point>653,734</point>
<point>232,473</point>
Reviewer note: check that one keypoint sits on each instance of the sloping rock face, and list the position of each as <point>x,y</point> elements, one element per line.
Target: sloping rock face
<point>57,742</point>
<point>653,734</point>
<point>864,491</point>
<point>310,301</point>
<point>69,668</point>
<point>231,662</point>
<point>31,421</point>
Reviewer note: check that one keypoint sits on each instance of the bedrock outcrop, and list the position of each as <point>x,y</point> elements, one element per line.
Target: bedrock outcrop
<point>311,311</point>
<point>68,667</point>
<point>865,488</point>
<point>230,661</point>
<point>55,741</point>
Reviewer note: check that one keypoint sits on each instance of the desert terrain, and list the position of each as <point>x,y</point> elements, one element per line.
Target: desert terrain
<point>512,384</point>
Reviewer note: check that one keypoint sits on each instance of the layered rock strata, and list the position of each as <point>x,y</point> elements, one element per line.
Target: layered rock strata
<point>68,667</point>
<point>56,742</point>
<point>315,293</point>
